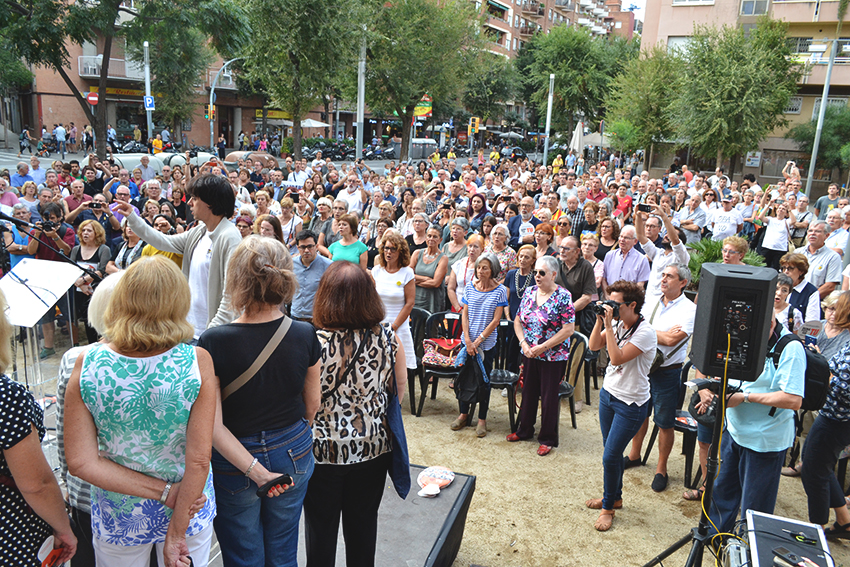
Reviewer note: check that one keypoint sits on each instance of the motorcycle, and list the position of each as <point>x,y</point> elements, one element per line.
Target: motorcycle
<point>389,153</point>
<point>133,147</point>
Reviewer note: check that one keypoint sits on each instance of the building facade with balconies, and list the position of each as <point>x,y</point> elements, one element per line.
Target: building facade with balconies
<point>670,22</point>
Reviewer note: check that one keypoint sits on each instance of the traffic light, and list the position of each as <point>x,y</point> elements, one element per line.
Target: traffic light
<point>473,124</point>
<point>212,115</point>
<point>206,112</point>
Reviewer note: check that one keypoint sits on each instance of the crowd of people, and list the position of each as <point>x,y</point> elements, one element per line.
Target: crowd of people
<point>311,273</point>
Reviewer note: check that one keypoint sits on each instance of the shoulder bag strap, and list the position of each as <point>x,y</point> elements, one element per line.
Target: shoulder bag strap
<point>270,347</point>
<point>349,368</point>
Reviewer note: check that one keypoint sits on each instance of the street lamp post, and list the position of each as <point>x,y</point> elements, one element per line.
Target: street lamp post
<point>147,89</point>
<point>548,119</point>
<point>821,114</point>
<point>212,99</point>
<point>361,96</point>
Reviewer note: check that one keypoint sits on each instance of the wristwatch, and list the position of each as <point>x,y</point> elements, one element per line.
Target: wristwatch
<point>746,397</point>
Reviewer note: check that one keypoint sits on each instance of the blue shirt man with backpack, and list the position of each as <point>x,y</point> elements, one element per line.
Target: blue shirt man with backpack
<point>760,428</point>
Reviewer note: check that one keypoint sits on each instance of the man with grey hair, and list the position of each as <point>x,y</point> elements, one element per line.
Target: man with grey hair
<point>692,219</point>
<point>624,262</point>
<point>151,191</point>
<point>7,197</point>
<point>148,172</point>
<point>36,171</point>
<point>824,264</point>
<point>669,250</point>
<point>671,315</point>
<point>21,176</point>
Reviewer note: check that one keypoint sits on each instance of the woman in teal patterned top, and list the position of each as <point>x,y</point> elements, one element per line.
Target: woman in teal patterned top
<point>138,424</point>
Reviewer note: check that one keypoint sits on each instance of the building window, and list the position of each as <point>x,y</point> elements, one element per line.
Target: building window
<point>618,25</point>
<point>693,2</point>
<point>753,7</point>
<point>679,43</point>
<point>795,105</point>
<point>799,44</point>
<point>837,102</point>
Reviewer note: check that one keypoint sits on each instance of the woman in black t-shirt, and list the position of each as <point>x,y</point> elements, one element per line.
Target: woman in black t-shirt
<point>263,427</point>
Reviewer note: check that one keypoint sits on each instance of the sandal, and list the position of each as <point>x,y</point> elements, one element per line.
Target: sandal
<point>838,531</point>
<point>693,494</point>
<point>596,504</point>
<point>604,521</point>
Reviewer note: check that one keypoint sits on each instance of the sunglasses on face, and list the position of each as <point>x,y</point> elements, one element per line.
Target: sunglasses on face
<point>541,273</point>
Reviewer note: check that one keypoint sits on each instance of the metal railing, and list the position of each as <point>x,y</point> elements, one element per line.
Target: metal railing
<point>89,66</point>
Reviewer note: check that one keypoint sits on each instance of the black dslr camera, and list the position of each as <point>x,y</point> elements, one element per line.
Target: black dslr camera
<point>599,310</point>
<point>49,226</point>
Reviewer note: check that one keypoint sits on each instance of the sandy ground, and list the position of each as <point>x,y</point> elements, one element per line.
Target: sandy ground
<point>529,510</point>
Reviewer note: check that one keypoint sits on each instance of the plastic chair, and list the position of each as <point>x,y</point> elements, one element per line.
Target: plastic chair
<point>689,432</point>
<point>443,325</point>
<point>590,359</point>
<point>418,317</point>
<point>566,389</point>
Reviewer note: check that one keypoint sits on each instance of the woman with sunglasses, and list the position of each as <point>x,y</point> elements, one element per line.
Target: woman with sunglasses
<point>562,230</point>
<point>624,398</point>
<point>544,323</point>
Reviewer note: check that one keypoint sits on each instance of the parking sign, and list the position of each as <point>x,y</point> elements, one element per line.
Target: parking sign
<point>149,105</point>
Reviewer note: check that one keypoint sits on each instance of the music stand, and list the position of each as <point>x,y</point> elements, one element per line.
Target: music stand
<point>32,288</point>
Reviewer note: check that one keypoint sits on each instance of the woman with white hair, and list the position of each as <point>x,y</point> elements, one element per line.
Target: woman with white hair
<point>506,255</point>
<point>484,302</point>
<point>544,323</point>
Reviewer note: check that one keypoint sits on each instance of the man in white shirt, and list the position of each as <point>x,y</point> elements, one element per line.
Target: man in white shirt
<point>837,239</point>
<point>353,194</point>
<point>672,317</point>
<point>298,175</point>
<point>726,221</point>
<point>824,264</point>
<point>59,135</point>
<point>148,172</point>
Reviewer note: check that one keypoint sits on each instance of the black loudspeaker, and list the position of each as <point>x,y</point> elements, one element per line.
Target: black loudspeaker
<point>737,301</point>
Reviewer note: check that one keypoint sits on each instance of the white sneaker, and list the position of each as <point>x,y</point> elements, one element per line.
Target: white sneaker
<point>505,393</point>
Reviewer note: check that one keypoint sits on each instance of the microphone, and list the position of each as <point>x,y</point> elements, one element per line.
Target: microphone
<point>18,222</point>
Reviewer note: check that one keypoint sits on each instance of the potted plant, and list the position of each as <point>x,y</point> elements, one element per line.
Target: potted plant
<point>708,250</point>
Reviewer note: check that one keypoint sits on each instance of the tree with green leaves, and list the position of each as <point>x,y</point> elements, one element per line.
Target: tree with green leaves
<point>307,44</point>
<point>640,100</point>
<point>40,30</point>
<point>491,85</point>
<point>734,88</point>
<point>14,75</point>
<point>835,134</point>
<point>419,47</point>
<point>173,78</point>
<point>584,67</point>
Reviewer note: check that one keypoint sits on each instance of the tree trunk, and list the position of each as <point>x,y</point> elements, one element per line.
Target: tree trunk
<point>265,121</point>
<point>99,122</point>
<point>327,105</point>
<point>406,122</point>
<point>733,161</point>
<point>296,136</point>
<point>719,161</point>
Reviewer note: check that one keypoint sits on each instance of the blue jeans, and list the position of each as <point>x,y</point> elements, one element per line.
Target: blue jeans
<point>826,439</point>
<point>748,480</point>
<point>263,532</point>
<point>619,423</point>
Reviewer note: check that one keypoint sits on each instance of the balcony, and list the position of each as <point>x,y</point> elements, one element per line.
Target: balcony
<point>586,3</point>
<point>597,11</point>
<point>533,9</point>
<point>89,67</point>
<point>815,65</point>
<point>225,81</point>
<point>582,21</point>
<point>528,31</point>
<point>498,24</point>
<point>565,6</point>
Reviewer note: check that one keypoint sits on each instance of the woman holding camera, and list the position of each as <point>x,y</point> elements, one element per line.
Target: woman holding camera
<point>624,398</point>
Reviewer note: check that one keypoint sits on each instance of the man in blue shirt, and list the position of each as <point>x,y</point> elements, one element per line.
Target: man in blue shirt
<point>754,444</point>
<point>309,268</point>
<point>22,175</point>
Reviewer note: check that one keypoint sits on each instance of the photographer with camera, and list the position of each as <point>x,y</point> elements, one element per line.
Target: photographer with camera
<point>62,236</point>
<point>625,395</point>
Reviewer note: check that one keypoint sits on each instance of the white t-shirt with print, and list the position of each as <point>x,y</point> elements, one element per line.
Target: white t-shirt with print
<point>629,382</point>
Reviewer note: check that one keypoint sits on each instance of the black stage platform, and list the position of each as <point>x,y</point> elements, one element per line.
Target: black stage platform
<point>416,531</point>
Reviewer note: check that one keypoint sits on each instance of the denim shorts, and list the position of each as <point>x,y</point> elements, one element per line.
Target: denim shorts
<point>664,386</point>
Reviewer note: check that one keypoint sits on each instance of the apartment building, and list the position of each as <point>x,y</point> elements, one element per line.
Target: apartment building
<point>811,23</point>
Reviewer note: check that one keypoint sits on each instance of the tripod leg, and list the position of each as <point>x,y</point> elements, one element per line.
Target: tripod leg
<point>673,549</point>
